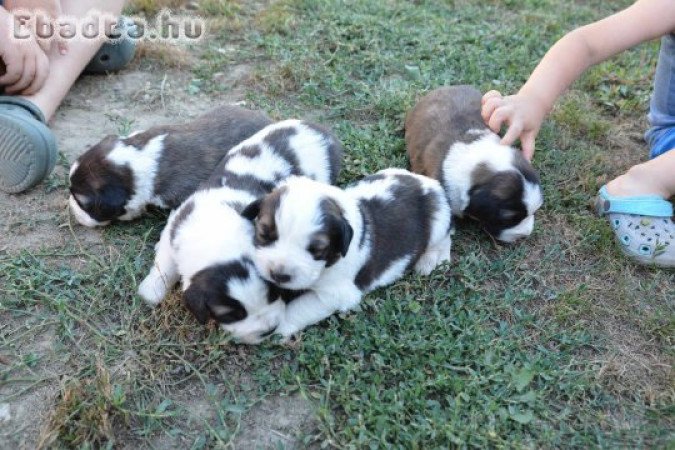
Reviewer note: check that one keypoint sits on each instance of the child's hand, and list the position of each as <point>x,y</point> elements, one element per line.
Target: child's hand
<point>26,65</point>
<point>522,113</point>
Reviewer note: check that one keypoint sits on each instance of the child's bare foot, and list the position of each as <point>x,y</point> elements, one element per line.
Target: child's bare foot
<point>639,180</point>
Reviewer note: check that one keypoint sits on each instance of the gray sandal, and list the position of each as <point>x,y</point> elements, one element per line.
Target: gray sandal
<point>114,55</point>
<point>27,146</point>
<point>644,226</point>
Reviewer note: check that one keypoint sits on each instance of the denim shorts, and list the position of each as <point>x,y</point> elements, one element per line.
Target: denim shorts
<point>661,135</point>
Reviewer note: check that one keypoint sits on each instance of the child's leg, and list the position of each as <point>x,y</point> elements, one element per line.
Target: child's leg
<point>662,107</point>
<point>635,202</point>
<point>65,69</point>
<point>27,147</point>
<point>656,176</point>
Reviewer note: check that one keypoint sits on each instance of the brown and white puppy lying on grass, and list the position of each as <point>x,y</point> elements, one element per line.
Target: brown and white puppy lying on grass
<point>447,139</point>
<point>208,245</point>
<point>118,178</point>
<point>337,245</point>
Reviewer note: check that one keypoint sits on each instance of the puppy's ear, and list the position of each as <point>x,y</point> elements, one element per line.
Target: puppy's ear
<point>481,203</point>
<point>338,229</point>
<point>347,234</point>
<point>252,210</point>
<point>506,185</point>
<point>194,299</point>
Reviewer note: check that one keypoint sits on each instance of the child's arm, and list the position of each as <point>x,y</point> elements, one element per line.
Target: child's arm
<point>567,60</point>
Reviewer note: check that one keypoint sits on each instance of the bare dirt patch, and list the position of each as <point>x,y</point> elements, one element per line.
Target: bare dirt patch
<point>25,413</point>
<point>277,422</point>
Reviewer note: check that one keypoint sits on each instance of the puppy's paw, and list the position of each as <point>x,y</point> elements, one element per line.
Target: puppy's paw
<point>285,333</point>
<point>434,257</point>
<point>293,341</point>
<point>427,262</point>
<point>152,290</point>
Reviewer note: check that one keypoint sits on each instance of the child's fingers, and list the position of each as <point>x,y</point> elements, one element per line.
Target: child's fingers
<point>527,144</point>
<point>490,94</point>
<point>41,74</point>
<point>514,131</point>
<point>498,117</point>
<point>29,67</point>
<point>13,70</point>
<point>489,108</point>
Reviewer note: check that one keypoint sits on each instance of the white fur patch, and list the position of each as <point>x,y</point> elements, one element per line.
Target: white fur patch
<point>267,167</point>
<point>313,163</point>
<point>266,318</point>
<point>309,147</point>
<point>73,168</point>
<point>213,233</point>
<point>143,164</point>
<point>533,197</point>
<point>395,271</point>
<point>164,273</point>
<point>134,133</point>
<point>81,215</point>
<point>523,229</point>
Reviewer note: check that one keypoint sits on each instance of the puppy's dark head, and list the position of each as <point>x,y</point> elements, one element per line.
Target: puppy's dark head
<point>504,201</point>
<point>235,296</point>
<point>100,189</point>
<point>210,293</point>
<point>299,231</point>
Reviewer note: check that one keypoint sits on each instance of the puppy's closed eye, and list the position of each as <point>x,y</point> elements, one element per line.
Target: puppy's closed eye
<point>319,247</point>
<point>507,214</point>
<point>265,234</point>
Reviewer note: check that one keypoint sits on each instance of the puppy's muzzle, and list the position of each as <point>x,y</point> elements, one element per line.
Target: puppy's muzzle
<point>279,277</point>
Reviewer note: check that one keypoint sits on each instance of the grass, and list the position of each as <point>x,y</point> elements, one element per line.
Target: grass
<point>557,342</point>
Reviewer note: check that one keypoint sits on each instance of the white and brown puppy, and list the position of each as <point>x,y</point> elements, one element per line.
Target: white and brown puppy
<point>447,139</point>
<point>208,245</point>
<point>337,245</point>
<point>118,178</point>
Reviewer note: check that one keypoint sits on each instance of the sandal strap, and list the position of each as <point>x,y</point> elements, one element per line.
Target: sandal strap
<point>643,205</point>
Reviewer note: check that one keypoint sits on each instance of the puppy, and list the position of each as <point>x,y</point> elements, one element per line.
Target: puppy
<point>339,245</point>
<point>208,245</point>
<point>447,139</point>
<point>119,177</point>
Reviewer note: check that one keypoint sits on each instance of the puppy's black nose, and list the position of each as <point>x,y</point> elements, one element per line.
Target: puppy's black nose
<point>280,277</point>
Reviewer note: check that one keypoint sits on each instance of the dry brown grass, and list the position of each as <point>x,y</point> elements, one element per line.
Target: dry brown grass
<point>85,413</point>
<point>165,55</point>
